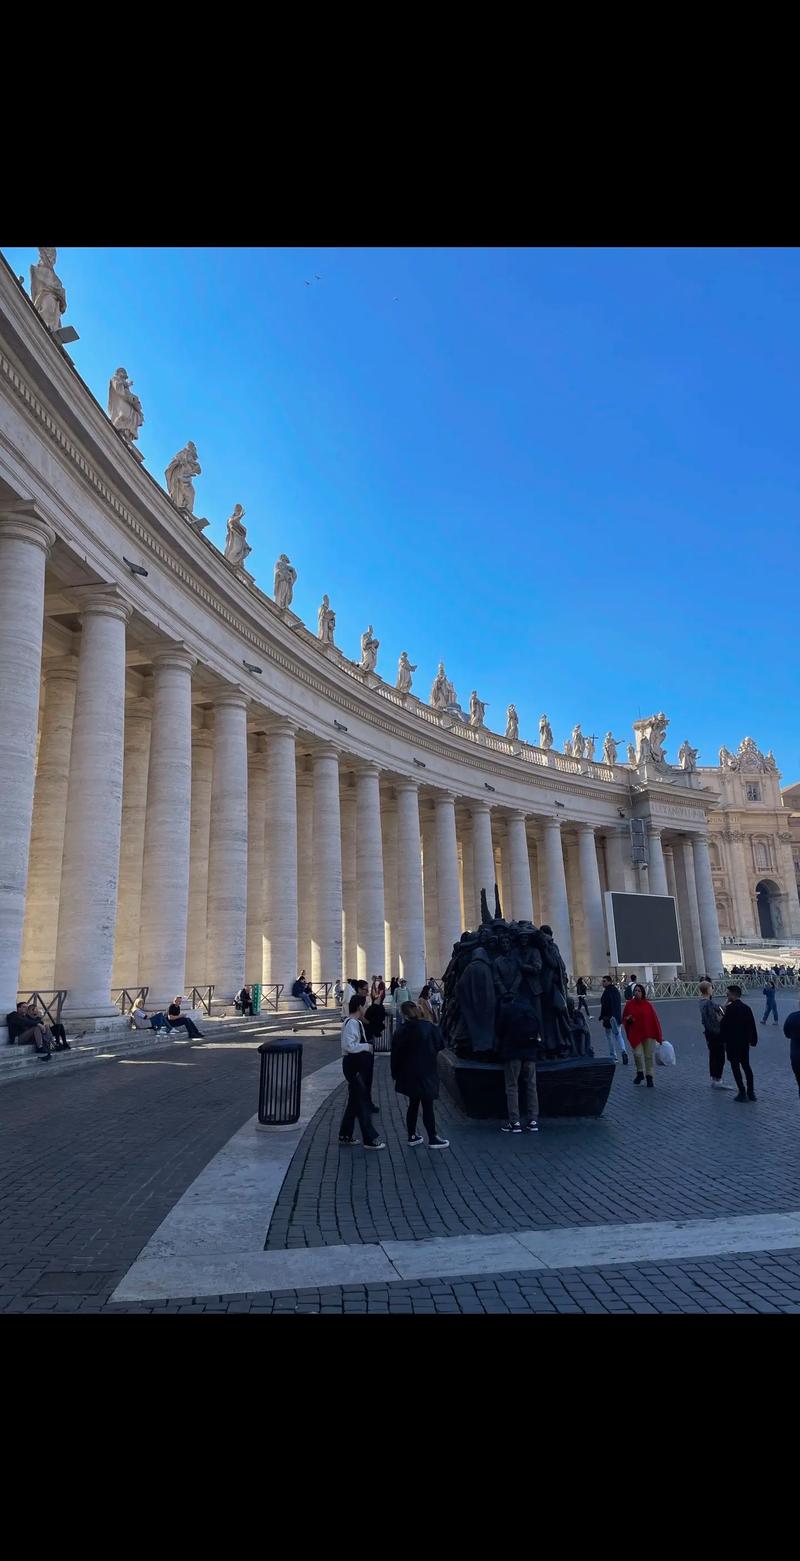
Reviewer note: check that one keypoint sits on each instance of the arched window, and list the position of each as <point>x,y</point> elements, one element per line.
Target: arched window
<point>761,853</point>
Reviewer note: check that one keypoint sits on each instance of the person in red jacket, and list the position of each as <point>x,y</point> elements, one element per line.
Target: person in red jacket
<point>643,1030</point>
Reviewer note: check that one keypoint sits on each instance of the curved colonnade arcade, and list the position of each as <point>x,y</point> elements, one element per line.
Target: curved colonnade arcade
<point>173,816</point>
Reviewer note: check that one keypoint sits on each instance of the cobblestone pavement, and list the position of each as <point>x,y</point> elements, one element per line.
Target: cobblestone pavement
<point>91,1164</point>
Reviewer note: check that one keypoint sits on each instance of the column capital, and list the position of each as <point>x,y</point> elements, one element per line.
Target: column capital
<point>282,727</point>
<point>202,737</point>
<point>231,697</point>
<point>406,784</point>
<point>141,708</point>
<point>326,751</point>
<point>175,656</point>
<point>102,601</point>
<point>24,522</point>
<point>60,667</point>
<point>479,806</point>
<point>585,829</point>
<point>655,829</point>
<point>550,823</point>
<point>518,813</point>
<point>366,767</point>
<point>447,797</point>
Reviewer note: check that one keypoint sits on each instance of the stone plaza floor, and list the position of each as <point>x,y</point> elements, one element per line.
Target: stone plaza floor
<point>96,1160</point>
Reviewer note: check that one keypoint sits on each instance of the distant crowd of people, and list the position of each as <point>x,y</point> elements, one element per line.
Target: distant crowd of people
<point>787,974</point>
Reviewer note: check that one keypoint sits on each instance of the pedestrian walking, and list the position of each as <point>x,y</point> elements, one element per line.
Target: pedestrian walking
<point>581,990</point>
<point>610,1016</point>
<point>517,1042</point>
<point>739,1033</point>
<point>627,989</point>
<point>643,1030</point>
<point>791,1030</point>
<point>772,1001</point>
<point>711,1020</point>
<point>425,1006</point>
<point>415,1046</point>
<point>356,1049</point>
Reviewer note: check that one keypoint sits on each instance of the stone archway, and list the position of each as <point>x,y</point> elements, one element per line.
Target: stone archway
<point>770,914</point>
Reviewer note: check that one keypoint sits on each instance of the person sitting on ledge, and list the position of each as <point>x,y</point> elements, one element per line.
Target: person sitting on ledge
<point>52,1027</point>
<point>143,1021</point>
<point>23,1030</point>
<point>243,1002</point>
<point>301,988</point>
<point>175,1019</point>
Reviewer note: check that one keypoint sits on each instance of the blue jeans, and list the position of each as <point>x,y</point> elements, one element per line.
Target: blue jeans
<point>771,1008</point>
<point>615,1038</point>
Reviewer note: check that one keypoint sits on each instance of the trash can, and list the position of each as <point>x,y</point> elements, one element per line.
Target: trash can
<point>383,1042</point>
<point>279,1084</point>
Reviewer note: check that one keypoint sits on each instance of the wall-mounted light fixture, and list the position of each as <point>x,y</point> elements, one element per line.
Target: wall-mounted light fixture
<point>251,668</point>
<point>488,787</point>
<point>135,569</point>
<point>420,765</point>
<point>558,804</point>
<point>340,727</point>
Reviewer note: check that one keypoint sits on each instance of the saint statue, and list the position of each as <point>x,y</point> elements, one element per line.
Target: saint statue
<point>477,709</point>
<point>237,546</point>
<point>182,468</point>
<point>578,741</point>
<point>404,671</point>
<point>590,742</point>
<point>545,733</point>
<point>687,756</point>
<point>326,622</point>
<point>650,734</point>
<point>443,694</point>
<point>369,650</point>
<point>631,755</point>
<point>512,724</point>
<point>726,759</point>
<point>609,749</point>
<point>49,298</point>
<point>771,763</point>
<point>124,408</point>
<point>285,576</point>
<point>568,747</point>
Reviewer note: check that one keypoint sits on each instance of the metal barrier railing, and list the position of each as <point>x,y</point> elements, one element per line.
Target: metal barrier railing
<point>271,994</point>
<point>322,991</point>
<point>126,996</point>
<point>200,997</point>
<point>51,1003</point>
<point>719,987</point>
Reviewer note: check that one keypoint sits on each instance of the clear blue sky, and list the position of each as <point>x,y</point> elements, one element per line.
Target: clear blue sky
<point>572,474</point>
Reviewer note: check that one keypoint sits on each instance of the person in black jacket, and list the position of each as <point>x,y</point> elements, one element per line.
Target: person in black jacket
<point>738,1032</point>
<point>611,1018</point>
<point>414,1050</point>
<point>791,1030</point>
<point>582,989</point>
<point>517,1038</point>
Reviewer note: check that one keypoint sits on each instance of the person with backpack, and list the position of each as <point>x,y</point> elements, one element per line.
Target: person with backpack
<point>415,1046</point>
<point>610,1017</point>
<point>711,1020</point>
<point>772,1002</point>
<point>739,1033</point>
<point>627,990</point>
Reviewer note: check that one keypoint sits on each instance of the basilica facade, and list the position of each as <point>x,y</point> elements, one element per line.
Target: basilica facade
<point>198,788</point>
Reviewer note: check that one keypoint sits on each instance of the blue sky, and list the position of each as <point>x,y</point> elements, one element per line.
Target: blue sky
<point>572,474</point>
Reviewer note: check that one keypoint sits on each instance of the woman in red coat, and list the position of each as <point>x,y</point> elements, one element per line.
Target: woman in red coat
<point>643,1029</point>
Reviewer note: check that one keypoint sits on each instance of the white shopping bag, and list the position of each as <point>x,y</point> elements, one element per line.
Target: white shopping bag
<point>666,1054</point>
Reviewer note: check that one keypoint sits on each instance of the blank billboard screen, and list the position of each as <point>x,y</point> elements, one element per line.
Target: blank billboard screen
<point>643,929</point>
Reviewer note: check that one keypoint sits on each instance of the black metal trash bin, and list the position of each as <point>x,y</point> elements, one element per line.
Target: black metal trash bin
<point>279,1084</point>
<point>383,1042</point>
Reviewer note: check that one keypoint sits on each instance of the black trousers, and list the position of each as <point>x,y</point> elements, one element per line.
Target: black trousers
<point>354,1070</point>
<point>794,1058</point>
<point>739,1059</point>
<point>414,1102</point>
<point>582,1003</point>
<point>368,1065</point>
<point>716,1056</point>
<point>188,1024</point>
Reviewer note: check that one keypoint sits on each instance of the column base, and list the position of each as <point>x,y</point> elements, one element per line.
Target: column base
<point>289,1005</point>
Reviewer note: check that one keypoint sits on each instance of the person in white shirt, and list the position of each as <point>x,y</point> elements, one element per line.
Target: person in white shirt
<point>356,1049</point>
<point>143,1021</point>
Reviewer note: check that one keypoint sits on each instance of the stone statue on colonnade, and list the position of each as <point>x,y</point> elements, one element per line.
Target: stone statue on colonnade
<point>443,694</point>
<point>404,671</point>
<point>650,735</point>
<point>285,576</point>
<point>477,710</point>
<point>609,749</point>
<point>687,756</point>
<point>326,622</point>
<point>369,650</point>
<point>47,292</point>
<point>577,742</point>
<point>568,747</point>
<point>545,733</point>
<point>590,742</point>
<point>179,474</point>
<point>124,408</point>
<point>512,724</point>
<point>237,546</point>
<point>631,755</point>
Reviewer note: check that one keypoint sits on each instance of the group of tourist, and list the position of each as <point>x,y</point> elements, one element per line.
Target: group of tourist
<point>786,974</point>
<point>27,1026</point>
<point>415,1045</point>
<point>173,1019</point>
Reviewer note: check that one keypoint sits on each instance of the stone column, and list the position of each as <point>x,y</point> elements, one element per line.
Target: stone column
<point>690,916</point>
<point>165,870</point>
<point>227,848</point>
<point>746,925</point>
<point>135,768</point>
<point>430,896</point>
<point>581,961</point>
<point>658,885</point>
<point>620,877</point>
<point>326,925</point>
<point>410,916</point>
<point>37,968</point>
<point>369,862</point>
<point>483,855</point>
<point>785,855</point>
<point>90,867</point>
<point>669,868</point>
<point>519,873</point>
<point>256,880</point>
<point>280,917</point>
<point>471,910</point>
<point>305,869</point>
<point>25,541</point>
<point>389,831</point>
<point>347,806</point>
<point>448,896</point>
<point>594,919</point>
<point>555,910</point>
<point>533,869</point>
<point>199,834</point>
<point>707,906</point>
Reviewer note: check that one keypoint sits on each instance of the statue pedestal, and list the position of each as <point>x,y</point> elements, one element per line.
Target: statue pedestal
<point>290,618</point>
<point>371,679</point>
<point>567,1087</point>
<point>243,574</point>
